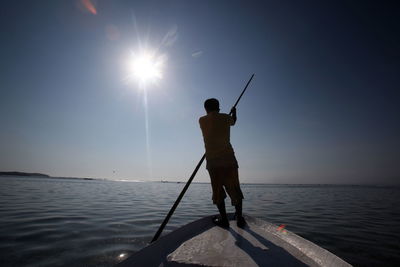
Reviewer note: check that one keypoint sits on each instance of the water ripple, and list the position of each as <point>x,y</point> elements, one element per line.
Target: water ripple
<point>54,222</point>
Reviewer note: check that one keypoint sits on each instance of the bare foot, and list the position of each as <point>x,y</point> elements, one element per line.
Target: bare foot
<point>220,222</point>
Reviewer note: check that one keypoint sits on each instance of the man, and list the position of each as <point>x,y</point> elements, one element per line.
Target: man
<point>221,162</point>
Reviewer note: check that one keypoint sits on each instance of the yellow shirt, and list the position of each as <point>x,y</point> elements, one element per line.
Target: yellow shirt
<point>215,127</point>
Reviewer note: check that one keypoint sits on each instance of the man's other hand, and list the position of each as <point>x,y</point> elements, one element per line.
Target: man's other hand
<point>233,112</point>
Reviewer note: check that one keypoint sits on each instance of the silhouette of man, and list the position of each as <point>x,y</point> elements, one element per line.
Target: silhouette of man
<point>221,162</point>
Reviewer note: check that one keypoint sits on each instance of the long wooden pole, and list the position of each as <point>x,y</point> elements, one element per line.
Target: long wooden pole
<point>172,210</point>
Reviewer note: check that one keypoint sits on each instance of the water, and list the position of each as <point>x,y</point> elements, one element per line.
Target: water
<point>59,222</point>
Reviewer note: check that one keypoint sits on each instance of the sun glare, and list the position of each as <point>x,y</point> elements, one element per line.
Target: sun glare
<point>146,67</point>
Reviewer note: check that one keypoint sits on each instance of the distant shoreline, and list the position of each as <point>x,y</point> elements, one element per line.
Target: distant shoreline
<point>40,175</point>
<point>13,173</point>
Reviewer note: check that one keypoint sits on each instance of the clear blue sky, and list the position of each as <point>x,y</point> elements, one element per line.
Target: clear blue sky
<point>323,107</point>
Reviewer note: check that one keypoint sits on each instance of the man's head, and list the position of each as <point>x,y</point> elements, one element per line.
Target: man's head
<point>211,105</point>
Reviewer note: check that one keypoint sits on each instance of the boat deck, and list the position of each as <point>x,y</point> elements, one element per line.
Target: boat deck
<point>260,243</point>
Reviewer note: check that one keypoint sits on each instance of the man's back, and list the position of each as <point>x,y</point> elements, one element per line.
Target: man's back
<point>215,127</point>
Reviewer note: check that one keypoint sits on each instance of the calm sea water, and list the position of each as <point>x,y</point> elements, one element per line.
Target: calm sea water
<point>59,222</point>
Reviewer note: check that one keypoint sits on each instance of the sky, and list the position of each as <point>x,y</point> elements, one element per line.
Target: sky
<point>322,108</point>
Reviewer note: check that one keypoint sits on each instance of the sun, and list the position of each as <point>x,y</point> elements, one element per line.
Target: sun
<point>145,67</point>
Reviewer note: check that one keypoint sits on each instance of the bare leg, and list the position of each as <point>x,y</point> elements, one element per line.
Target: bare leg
<point>238,209</point>
<point>223,221</point>
<point>239,215</point>
<point>222,211</point>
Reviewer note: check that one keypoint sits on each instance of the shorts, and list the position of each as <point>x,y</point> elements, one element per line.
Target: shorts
<point>227,160</point>
<point>225,177</point>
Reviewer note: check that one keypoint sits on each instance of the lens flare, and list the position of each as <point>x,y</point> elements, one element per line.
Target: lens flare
<point>145,66</point>
<point>89,6</point>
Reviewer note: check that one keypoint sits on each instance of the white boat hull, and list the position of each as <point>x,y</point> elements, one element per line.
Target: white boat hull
<point>260,243</point>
